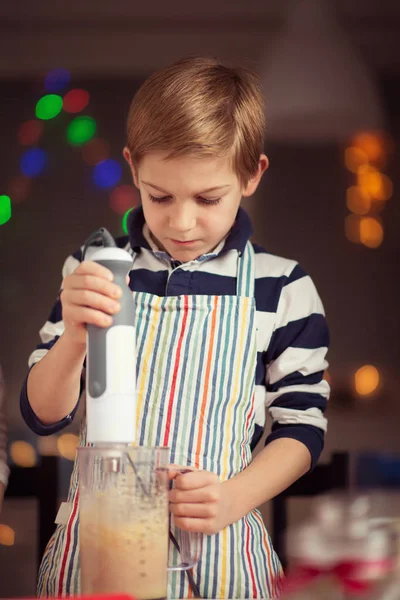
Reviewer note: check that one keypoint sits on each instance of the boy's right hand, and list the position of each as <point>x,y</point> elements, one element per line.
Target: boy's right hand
<point>88,296</point>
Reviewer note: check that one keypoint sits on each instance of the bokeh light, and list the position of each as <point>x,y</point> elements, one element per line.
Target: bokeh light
<point>30,132</point>
<point>75,101</point>
<point>352,228</point>
<point>5,209</point>
<point>19,188</point>
<point>366,380</point>
<point>23,454</point>
<point>107,173</point>
<point>125,221</point>
<point>56,80</point>
<point>95,151</point>
<point>49,107</point>
<point>33,161</point>
<point>123,198</point>
<point>371,232</point>
<point>47,445</point>
<point>67,444</point>
<point>358,201</point>
<point>81,130</point>
<point>376,145</point>
<point>374,183</point>
<point>354,158</point>
<point>7,535</point>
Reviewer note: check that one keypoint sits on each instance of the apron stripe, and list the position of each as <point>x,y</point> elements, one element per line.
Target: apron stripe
<point>199,376</point>
<point>269,569</point>
<point>67,544</point>
<point>188,374</point>
<point>256,544</point>
<point>165,357</point>
<point>249,558</point>
<point>149,338</point>
<point>207,380</point>
<point>149,384</point>
<point>176,367</point>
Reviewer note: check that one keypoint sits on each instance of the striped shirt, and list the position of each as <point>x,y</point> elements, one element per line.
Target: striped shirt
<point>292,334</point>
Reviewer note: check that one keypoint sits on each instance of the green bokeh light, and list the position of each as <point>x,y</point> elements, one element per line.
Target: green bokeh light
<point>49,107</point>
<point>5,209</point>
<point>125,221</point>
<point>81,130</point>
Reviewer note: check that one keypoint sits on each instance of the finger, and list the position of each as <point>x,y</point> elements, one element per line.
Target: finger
<point>195,480</point>
<point>88,316</point>
<point>91,300</point>
<point>194,525</point>
<point>90,267</point>
<point>175,470</point>
<point>196,511</point>
<point>205,494</point>
<point>78,281</point>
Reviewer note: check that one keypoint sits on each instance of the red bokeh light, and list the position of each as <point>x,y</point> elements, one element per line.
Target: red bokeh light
<point>123,198</point>
<point>30,132</point>
<point>75,101</point>
<point>95,151</point>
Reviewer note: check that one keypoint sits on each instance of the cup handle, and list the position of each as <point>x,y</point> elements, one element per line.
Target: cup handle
<point>189,545</point>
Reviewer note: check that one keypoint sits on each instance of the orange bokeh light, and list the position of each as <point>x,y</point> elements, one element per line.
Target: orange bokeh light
<point>354,158</point>
<point>352,228</point>
<point>366,380</point>
<point>371,232</point>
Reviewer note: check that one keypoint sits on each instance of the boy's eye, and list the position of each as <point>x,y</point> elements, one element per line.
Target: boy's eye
<point>159,199</point>
<point>208,201</point>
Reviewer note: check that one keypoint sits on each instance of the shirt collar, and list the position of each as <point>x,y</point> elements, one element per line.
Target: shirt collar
<point>139,234</point>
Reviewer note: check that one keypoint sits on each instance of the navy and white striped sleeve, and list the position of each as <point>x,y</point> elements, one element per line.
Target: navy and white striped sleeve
<point>49,334</point>
<point>296,393</point>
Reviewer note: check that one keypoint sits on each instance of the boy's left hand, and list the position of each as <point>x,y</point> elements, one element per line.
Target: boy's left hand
<point>198,502</point>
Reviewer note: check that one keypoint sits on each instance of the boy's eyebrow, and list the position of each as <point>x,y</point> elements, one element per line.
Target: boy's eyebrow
<point>212,189</point>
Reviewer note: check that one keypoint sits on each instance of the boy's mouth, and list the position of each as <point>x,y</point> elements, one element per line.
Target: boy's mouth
<point>183,242</point>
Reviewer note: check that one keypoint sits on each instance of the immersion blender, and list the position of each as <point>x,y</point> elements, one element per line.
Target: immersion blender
<point>111,356</point>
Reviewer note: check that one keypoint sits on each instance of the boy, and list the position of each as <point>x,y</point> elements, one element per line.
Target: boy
<point>224,329</point>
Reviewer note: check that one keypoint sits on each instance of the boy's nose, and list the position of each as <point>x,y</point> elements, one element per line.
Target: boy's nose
<point>182,220</point>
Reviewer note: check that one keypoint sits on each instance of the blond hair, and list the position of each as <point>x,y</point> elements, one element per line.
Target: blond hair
<point>199,106</point>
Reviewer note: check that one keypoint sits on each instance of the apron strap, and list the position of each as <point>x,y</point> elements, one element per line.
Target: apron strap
<point>246,272</point>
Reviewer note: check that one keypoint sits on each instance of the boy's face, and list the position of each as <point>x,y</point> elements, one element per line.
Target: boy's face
<point>189,203</point>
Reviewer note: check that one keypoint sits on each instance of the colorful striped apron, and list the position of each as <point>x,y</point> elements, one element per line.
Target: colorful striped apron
<point>196,372</point>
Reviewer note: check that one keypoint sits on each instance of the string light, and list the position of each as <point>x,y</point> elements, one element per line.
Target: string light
<point>33,162</point>
<point>371,232</point>
<point>67,444</point>
<point>23,454</point>
<point>49,107</point>
<point>30,132</point>
<point>366,380</point>
<point>75,101</point>
<point>125,221</point>
<point>56,80</point>
<point>5,209</point>
<point>365,156</point>
<point>81,130</point>
<point>107,173</point>
<point>7,535</point>
<point>19,188</point>
<point>95,151</point>
<point>123,198</point>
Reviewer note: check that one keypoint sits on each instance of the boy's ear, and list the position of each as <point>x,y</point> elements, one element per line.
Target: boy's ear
<point>252,184</point>
<point>127,156</point>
